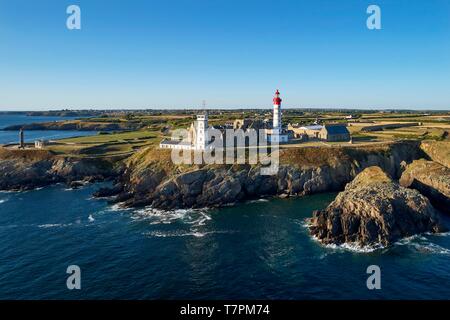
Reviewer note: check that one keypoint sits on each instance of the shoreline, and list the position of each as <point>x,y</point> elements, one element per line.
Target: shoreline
<point>149,179</point>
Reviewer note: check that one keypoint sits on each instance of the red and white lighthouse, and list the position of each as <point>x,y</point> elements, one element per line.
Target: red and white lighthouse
<point>276,113</point>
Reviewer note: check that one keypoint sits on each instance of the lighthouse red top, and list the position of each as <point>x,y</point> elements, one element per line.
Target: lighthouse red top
<point>277,100</point>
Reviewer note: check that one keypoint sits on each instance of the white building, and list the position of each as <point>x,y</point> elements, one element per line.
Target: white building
<point>39,144</point>
<point>311,131</point>
<point>197,136</point>
<point>198,132</point>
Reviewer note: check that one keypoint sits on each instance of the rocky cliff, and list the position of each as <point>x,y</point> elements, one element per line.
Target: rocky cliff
<point>151,178</point>
<point>438,151</point>
<point>374,210</point>
<point>29,169</point>
<point>431,179</point>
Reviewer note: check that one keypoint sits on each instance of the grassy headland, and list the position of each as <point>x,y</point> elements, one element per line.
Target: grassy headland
<point>122,133</point>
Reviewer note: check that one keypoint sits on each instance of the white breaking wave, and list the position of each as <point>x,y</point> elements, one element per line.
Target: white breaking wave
<point>356,247</point>
<point>188,216</point>
<point>306,223</point>
<point>169,234</point>
<point>118,207</point>
<point>409,240</point>
<point>353,247</point>
<point>431,248</point>
<point>54,225</point>
<point>421,244</point>
<point>8,191</point>
<point>418,243</point>
<point>201,221</point>
<point>258,200</point>
<point>442,234</point>
<point>91,218</point>
<point>3,200</point>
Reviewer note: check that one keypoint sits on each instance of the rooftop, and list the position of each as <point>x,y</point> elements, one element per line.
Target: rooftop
<point>312,127</point>
<point>336,129</point>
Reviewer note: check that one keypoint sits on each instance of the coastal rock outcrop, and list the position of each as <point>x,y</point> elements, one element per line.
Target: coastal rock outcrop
<point>438,151</point>
<point>374,210</point>
<point>431,179</point>
<point>151,179</point>
<point>30,169</point>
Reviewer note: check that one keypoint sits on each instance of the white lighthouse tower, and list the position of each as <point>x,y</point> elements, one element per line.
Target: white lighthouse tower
<point>277,134</point>
<point>201,140</point>
<point>276,113</point>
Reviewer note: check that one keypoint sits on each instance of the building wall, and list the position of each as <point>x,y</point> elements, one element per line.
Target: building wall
<point>282,138</point>
<point>201,140</point>
<point>312,133</point>
<point>175,146</point>
<point>324,135</point>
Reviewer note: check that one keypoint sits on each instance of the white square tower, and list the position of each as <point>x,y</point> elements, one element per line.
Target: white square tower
<point>201,140</point>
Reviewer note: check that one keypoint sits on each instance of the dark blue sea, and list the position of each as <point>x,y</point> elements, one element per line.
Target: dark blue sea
<point>256,250</point>
<point>32,135</point>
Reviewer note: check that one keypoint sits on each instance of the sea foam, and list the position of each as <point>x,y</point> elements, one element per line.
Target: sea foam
<point>180,233</point>
<point>192,217</point>
<point>54,225</point>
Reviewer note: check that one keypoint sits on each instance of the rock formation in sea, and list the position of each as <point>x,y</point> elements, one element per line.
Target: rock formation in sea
<point>430,179</point>
<point>374,210</point>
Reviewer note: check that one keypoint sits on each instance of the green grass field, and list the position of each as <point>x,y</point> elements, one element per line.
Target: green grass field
<point>104,145</point>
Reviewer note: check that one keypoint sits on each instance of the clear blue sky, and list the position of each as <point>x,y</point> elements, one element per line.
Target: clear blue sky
<point>176,53</point>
